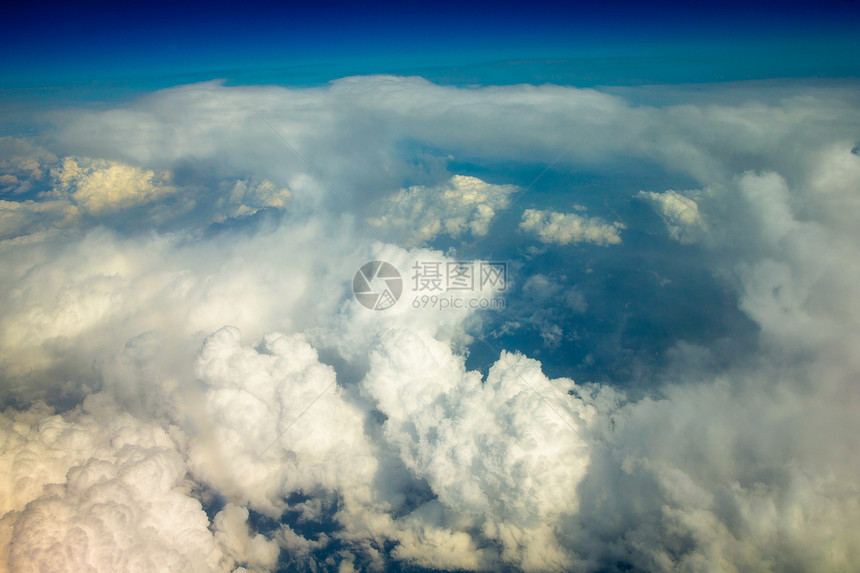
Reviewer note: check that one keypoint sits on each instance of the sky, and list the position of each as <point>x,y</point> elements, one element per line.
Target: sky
<point>157,44</point>
<point>411,288</point>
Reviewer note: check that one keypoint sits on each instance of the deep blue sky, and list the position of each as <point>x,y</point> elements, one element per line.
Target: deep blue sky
<point>162,43</point>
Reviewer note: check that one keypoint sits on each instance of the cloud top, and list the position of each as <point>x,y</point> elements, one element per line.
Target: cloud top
<point>569,228</point>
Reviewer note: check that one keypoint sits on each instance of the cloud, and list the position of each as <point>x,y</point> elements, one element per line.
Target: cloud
<point>22,165</point>
<point>680,214</point>
<point>730,467</point>
<point>71,298</point>
<point>77,191</point>
<point>357,131</point>
<point>98,490</point>
<point>566,228</point>
<point>487,450</point>
<point>260,447</point>
<point>463,204</point>
<point>542,289</point>
<point>244,198</point>
<point>253,551</point>
<point>548,306</point>
<point>99,186</point>
<point>23,218</point>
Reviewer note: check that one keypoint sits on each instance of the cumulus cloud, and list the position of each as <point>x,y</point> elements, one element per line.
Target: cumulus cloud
<point>98,186</point>
<point>93,293</point>
<point>76,188</point>
<point>261,447</point>
<point>96,489</point>
<point>566,228</point>
<point>253,552</point>
<point>679,212</point>
<point>75,191</point>
<point>488,449</point>
<point>463,204</point>
<point>354,130</point>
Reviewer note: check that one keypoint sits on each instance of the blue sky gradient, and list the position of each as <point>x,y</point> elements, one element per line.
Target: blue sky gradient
<point>97,45</point>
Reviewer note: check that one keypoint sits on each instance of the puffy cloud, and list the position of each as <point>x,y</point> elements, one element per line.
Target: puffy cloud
<point>463,204</point>
<point>836,169</point>
<point>720,473</point>
<point>354,130</point>
<point>80,190</point>
<point>100,491</point>
<point>69,298</point>
<point>489,450</point>
<point>100,186</point>
<point>350,130</point>
<point>565,228</point>
<point>277,423</point>
<point>679,212</point>
<point>253,551</point>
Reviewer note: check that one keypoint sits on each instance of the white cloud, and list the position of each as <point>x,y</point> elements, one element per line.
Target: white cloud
<point>260,446</point>
<point>566,228</point>
<point>252,551</point>
<point>99,186</point>
<point>97,491</point>
<point>462,204</point>
<point>95,292</point>
<point>680,213</point>
<point>79,190</point>
<point>490,451</point>
<point>742,467</point>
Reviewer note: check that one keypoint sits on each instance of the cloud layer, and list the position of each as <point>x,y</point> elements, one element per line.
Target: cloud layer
<point>188,383</point>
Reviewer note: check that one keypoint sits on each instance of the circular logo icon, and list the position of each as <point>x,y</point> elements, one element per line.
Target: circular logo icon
<point>377,285</point>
